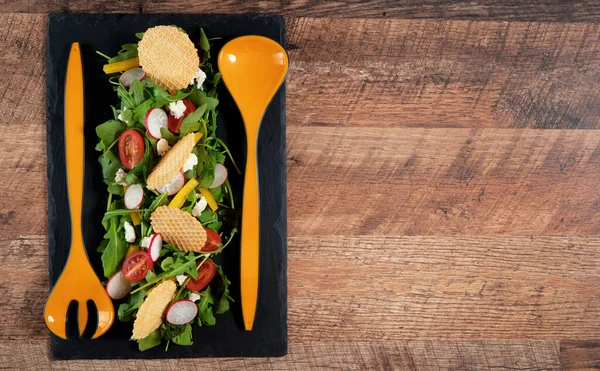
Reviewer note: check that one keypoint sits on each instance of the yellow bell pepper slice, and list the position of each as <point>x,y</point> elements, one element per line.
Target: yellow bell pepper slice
<point>181,196</point>
<point>210,200</point>
<point>136,218</point>
<point>131,250</point>
<point>125,65</point>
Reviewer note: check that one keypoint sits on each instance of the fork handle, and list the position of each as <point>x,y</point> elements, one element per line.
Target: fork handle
<point>249,259</point>
<point>74,145</point>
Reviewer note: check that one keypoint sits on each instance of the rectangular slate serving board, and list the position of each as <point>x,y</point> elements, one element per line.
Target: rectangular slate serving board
<point>107,33</point>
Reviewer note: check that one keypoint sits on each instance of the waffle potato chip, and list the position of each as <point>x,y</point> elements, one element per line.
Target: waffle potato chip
<point>168,56</point>
<point>172,161</point>
<point>179,228</point>
<point>151,312</point>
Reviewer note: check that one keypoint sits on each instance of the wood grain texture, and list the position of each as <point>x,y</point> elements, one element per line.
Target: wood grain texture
<point>357,181</point>
<point>536,10</point>
<point>390,73</point>
<point>580,354</point>
<point>406,355</point>
<point>431,224</point>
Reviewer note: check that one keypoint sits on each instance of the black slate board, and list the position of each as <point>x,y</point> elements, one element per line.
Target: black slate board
<point>107,33</point>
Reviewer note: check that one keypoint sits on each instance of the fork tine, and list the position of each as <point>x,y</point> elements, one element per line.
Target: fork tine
<point>106,314</point>
<point>82,316</point>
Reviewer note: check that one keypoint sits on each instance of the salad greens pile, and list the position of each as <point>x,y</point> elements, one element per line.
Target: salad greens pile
<point>218,213</point>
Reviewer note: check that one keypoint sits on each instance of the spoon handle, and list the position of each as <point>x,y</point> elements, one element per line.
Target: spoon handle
<point>250,237</point>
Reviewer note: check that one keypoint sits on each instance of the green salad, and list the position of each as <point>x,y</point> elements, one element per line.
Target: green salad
<point>163,285</point>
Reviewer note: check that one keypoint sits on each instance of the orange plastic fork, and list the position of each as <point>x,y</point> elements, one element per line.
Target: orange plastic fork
<point>78,281</point>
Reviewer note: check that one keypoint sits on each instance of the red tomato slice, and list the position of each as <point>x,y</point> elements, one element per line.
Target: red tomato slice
<point>205,275</point>
<point>131,148</point>
<point>213,240</point>
<point>175,124</point>
<point>137,265</point>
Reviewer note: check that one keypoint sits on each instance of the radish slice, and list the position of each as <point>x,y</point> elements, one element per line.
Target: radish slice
<point>134,195</point>
<point>182,312</point>
<point>156,119</point>
<point>220,176</point>
<point>174,185</point>
<point>131,75</point>
<point>118,287</point>
<point>155,246</point>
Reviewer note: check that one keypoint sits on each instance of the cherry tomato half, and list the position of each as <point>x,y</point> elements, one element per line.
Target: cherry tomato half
<point>175,124</point>
<point>205,275</point>
<point>213,240</point>
<point>137,265</point>
<point>131,148</point>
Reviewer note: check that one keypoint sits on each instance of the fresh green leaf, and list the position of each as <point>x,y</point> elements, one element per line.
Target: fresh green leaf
<point>137,89</point>
<point>110,131</point>
<point>119,212</point>
<point>159,201</point>
<point>102,246</point>
<point>205,312</point>
<point>166,264</point>
<point>139,35</point>
<point>152,340</point>
<point>127,51</point>
<point>110,164</point>
<point>139,112</point>
<point>199,98</point>
<point>115,249</point>
<point>168,136</point>
<point>185,338</point>
<point>203,42</point>
<point>192,122</point>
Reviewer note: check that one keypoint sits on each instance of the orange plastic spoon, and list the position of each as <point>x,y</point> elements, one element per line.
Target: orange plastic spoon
<point>78,281</point>
<point>253,69</point>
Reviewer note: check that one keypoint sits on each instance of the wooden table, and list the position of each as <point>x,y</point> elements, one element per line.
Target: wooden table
<point>444,184</point>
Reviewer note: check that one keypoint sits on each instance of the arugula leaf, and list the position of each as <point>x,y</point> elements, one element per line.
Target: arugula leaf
<point>207,175</point>
<point>126,310</point>
<point>159,201</point>
<point>119,212</point>
<point>152,340</point>
<point>192,122</point>
<point>203,42</point>
<point>185,338</point>
<point>139,112</point>
<point>168,136</point>
<point>110,165</point>
<point>115,249</point>
<point>205,312</point>
<point>140,35</point>
<point>110,130</point>
<point>221,285</point>
<point>199,98</point>
<point>137,89</point>
<point>127,51</point>
<point>102,246</point>
<point>127,100</point>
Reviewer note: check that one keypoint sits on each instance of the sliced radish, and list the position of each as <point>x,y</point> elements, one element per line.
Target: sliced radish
<point>182,312</point>
<point>118,287</point>
<point>156,119</point>
<point>220,176</point>
<point>134,195</point>
<point>174,185</point>
<point>131,75</point>
<point>155,246</point>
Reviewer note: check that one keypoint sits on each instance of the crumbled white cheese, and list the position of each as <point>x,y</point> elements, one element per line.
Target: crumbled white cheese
<point>194,297</point>
<point>129,232</point>
<point>162,146</point>
<point>145,242</point>
<point>120,177</point>
<point>200,206</point>
<point>181,279</point>
<point>190,163</point>
<point>198,79</point>
<point>177,108</point>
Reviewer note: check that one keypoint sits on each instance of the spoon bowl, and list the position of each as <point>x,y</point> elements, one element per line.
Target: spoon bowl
<point>253,69</point>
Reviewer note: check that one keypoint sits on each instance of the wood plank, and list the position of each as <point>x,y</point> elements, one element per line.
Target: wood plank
<point>363,289</point>
<point>580,354</point>
<point>424,73</point>
<point>405,355</point>
<point>572,11</point>
<point>357,181</point>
